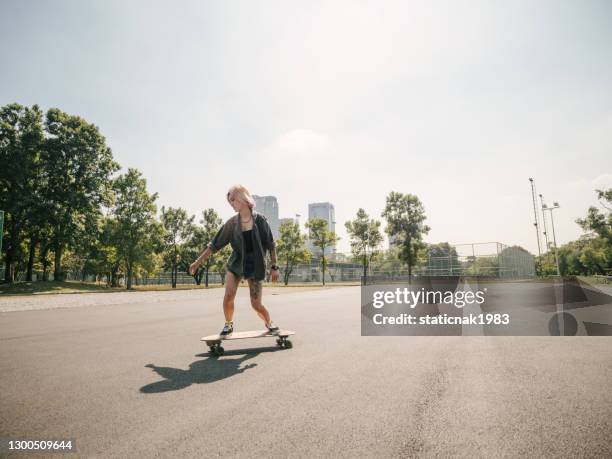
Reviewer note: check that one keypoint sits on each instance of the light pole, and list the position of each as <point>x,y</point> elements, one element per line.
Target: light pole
<point>544,222</point>
<point>535,214</point>
<point>552,222</point>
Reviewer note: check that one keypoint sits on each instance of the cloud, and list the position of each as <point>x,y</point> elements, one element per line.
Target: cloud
<point>300,145</point>
<point>601,181</point>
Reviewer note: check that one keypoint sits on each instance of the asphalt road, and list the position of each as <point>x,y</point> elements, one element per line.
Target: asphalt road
<point>134,380</point>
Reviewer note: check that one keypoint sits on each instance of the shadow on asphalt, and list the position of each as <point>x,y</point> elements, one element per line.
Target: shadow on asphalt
<point>204,371</point>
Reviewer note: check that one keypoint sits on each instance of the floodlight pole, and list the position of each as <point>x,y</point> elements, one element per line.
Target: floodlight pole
<point>535,212</point>
<point>552,221</point>
<point>544,221</point>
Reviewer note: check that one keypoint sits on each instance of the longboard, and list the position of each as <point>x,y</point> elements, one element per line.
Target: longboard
<point>214,341</point>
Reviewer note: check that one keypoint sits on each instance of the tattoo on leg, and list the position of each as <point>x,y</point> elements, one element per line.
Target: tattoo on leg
<point>255,289</point>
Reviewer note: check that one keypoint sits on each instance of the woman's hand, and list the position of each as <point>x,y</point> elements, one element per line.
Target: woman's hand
<point>193,267</point>
<point>274,275</point>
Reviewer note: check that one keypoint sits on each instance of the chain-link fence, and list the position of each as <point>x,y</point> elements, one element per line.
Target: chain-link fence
<point>491,259</point>
<point>481,259</point>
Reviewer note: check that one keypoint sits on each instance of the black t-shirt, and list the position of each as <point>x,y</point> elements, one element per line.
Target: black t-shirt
<point>248,240</point>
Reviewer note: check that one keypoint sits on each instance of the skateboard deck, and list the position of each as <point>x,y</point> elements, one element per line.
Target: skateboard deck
<point>214,341</point>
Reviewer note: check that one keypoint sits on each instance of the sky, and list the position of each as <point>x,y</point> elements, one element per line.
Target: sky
<point>458,103</point>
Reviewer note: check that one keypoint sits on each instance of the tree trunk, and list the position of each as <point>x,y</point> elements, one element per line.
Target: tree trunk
<point>409,242</point>
<point>33,244</point>
<point>365,270</point>
<point>114,276</point>
<point>323,260</point>
<point>8,264</point>
<point>58,274</point>
<point>287,272</point>
<point>11,247</point>
<point>45,262</point>
<point>128,281</point>
<point>44,251</point>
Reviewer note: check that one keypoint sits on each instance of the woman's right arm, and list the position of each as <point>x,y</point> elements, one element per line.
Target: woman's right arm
<point>203,256</point>
<point>221,239</point>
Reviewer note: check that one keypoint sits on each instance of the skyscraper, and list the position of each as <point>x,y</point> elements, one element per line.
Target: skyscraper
<point>268,206</point>
<point>324,210</point>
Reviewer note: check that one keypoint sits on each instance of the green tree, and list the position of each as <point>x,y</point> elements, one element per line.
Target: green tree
<point>21,140</point>
<point>290,248</point>
<point>220,263</point>
<point>138,235</point>
<point>365,238</point>
<point>321,237</point>
<point>78,167</point>
<point>405,217</point>
<point>599,253</point>
<point>193,247</point>
<point>389,260</point>
<point>483,266</point>
<point>79,258</point>
<point>178,229</point>
<point>105,254</point>
<point>210,224</point>
<point>44,254</point>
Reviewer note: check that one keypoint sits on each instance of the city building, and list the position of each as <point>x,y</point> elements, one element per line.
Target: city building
<point>324,210</point>
<point>268,206</point>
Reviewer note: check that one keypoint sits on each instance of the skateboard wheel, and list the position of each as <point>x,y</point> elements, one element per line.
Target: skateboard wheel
<point>279,342</point>
<point>216,350</point>
<point>288,344</point>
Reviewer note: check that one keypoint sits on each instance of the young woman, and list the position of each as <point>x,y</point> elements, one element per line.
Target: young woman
<point>250,236</point>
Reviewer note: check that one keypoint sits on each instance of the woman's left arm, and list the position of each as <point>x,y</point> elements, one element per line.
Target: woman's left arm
<point>273,255</point>
<point>274,274</point>
<point>270,244</point>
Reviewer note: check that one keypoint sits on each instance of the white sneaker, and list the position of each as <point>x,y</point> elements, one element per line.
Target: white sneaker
<point>272,329</point>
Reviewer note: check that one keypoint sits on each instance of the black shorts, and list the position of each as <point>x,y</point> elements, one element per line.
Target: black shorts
<point>248,266</point>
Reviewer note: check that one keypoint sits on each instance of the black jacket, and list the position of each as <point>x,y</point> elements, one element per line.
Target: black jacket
<point>231,232</point>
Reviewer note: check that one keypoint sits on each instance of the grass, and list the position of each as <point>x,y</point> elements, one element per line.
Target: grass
<point>595,279</point>
<point>45,287</point>
<point>52,287</point>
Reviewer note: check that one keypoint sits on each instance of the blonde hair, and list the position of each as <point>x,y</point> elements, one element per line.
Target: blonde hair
<point>240,191</point>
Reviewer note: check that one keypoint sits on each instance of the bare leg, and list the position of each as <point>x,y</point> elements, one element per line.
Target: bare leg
<point>255,289</point>
<point>231,285</point>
